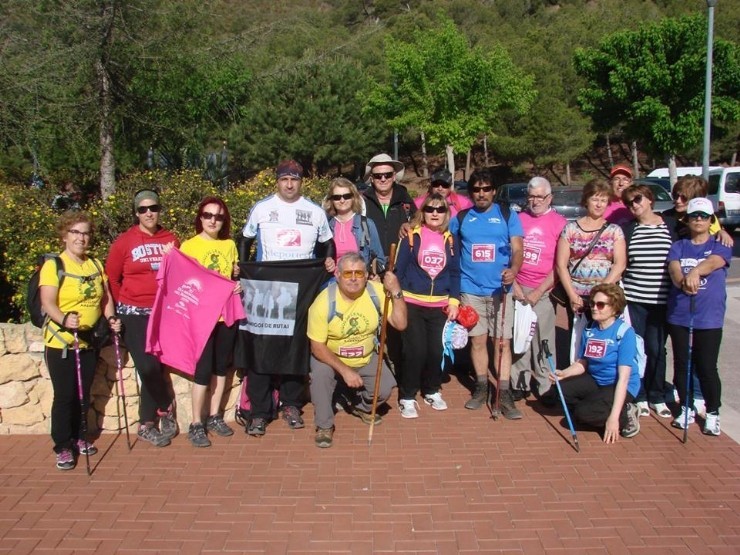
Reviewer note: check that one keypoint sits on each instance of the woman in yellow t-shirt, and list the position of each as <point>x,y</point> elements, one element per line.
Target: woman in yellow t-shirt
<point>76,305</point>
<point>214,249</point>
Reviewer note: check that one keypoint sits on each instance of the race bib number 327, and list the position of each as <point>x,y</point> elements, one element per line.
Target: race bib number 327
<point>483,253</point>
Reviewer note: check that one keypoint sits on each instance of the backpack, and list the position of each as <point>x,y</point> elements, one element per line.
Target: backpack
<point>98,336</point>
<point>640,360</point>
<point>332,292</point>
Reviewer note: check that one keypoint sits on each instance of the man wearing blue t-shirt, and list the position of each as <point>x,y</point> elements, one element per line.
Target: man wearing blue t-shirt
<point>491,247</point>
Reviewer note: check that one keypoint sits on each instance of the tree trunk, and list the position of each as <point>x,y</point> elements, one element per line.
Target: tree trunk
<point>609,151</point>
<point>485,149</point>
<point>107,160</point>
<point>567,174</point>
<point>467,165</point>
<point>635,162</point>
<point>672,174</point>
<point>424,159</point>
<point>450,160</point>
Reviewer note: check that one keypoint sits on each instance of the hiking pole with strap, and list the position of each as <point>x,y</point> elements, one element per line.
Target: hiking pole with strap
<point>688,370</point>
<point>381,348</point>
<point>496,409</point>
<point>119,365</point>
<point>83,412</point>
<point>548,354</point>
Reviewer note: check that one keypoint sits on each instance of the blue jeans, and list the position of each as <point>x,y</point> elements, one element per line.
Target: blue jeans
<point>649,322</point>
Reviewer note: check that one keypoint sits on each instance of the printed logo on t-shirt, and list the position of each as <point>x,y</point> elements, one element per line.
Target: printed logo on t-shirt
<point>595,348</point>
<point>274,216</point>
<point>483,253</point>
<point>288,237</point>
<point>352,352</point>
<point>303,217</point>
<point>494,220</point>
<point>531,255</point>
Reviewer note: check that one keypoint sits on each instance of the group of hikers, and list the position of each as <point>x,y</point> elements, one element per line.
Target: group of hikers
<point>620,271</point>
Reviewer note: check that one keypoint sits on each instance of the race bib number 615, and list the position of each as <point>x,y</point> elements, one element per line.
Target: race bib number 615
<point>484,253</point>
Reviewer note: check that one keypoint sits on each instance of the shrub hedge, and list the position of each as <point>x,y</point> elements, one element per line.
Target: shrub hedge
<point>27,228</point>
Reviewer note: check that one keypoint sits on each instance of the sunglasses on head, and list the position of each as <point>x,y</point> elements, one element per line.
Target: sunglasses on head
<point>679,196</point>
<point>349,274</point>
<point>433,209</point>
<point>598,305</point>
<point>484,189</point>
<point>345,196</point>
<point>209,216</point>
<point>384,175</point>
<point>442,184</point>
<point>151,208</point>
<point>637,199</point>
<point>699,216</point>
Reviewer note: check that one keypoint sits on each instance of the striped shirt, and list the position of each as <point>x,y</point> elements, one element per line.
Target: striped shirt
<point>646,278</point>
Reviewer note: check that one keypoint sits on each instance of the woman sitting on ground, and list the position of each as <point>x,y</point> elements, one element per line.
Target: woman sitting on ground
<point>601,385</point>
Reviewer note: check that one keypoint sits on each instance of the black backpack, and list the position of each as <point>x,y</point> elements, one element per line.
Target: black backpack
<point>503,206</point>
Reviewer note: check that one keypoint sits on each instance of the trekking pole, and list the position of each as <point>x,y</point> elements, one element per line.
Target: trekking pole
<point>83,412</point>
<point>381,348</point>
<point>496,410</point>
<point>688,370</point>
<point>116,343</point>
<point>548,354</point>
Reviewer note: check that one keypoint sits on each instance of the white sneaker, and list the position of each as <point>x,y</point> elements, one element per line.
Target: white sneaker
<point>661,409</point>
<point>408,408</point>
<point>711,424</point>
<point>678,422</point>
<point>700,407</point>
<point>642,407</point>
<point>435,401</point>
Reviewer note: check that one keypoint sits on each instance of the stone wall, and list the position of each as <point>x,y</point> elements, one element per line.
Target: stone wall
<point>26,392</point>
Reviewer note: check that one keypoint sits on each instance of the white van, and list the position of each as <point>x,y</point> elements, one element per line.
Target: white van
<point>681,171</point>
<point>724,192</point>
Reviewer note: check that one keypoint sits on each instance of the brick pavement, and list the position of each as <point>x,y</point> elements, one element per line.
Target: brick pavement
<point>448,482</point>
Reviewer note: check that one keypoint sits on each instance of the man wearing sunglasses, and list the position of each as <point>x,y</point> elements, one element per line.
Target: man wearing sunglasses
<point>343,342</point>
<point>286,226</point>
<point>387,203</point>
<point>491,251</point>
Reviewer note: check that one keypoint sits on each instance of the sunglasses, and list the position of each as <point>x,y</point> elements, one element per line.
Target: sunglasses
<point>345,196</point>
<point>598,305</point>
<point>679,196</point>
<point>78,233</point>
<point>209,216</point>
<point>155,208</point>
<point>349,274</point>
<point>699,216</point>
<point>637,199</point>
<point>485,189</point>
<point>442,184</point>
<point>535,198</point>
<point>385,175</point>
<point>433,209</point>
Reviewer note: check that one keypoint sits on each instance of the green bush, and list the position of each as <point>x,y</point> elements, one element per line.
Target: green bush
<point>28,221</point>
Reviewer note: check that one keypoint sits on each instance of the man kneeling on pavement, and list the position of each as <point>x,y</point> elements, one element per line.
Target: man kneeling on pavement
<point>343,324</point>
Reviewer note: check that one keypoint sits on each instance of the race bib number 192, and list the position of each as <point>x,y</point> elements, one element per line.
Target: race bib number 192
<point>595,348</point>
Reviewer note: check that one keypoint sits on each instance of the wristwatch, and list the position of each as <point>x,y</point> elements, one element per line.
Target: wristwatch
<point>398,295</point>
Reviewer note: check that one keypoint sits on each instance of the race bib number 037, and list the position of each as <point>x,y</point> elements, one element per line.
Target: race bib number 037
<point>484,253</point>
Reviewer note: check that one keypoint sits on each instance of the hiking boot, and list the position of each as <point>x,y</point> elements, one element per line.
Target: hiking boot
<point>257,427</point>
<point>519,394</point>
<point>168,423</point>
<point>408,408</point>
<point>479,397</point>
<point>711,424</point>
<point>506,404</point>
<point>366,417</point>
<point>197,435</point>
<point>85,448</point>
<point>642,407</point>
<point>292,415</point>
<point>149,432</point>
<point>633,420</point>
<point>65,459</point>
<point>435,401</point>
<point>215,423</point>
<point>324,437</point>
<point>678,422</point>
<point>661,409</point>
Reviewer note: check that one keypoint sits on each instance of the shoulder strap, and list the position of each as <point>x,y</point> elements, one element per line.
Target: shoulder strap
<point>461,217</point>
<point>505,210</point>
<point>331,291</point>
<point>365,231</point>
<point>590,247</point>
<point>622,330</point>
